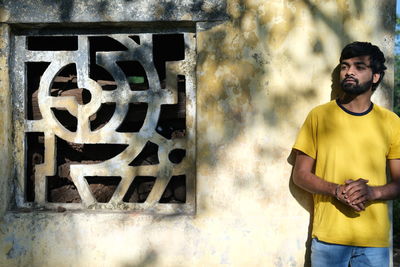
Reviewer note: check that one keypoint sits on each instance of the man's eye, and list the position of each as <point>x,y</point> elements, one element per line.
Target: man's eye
<point>344,67</point>
<point>361,67</point>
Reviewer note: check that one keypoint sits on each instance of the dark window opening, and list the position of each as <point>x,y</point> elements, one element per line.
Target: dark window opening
<point>61,190</point>
<point>34,71</point>
<point>103,188</point>
<point>135,74</point>
<point>102,77</point>
<point>52,43</point>
<point>104,43</point>
<point>139,189</point>
<point>148,156</point>
<point>102,116</point>
<point>134,118</point>
<point>65,84</point>
<point>175,192</point>
<point>167,47</point>
<point>176,155</point>
<point>66,119</point>
<point>135,38</point>
<point>172,121</point>
<point>34,156</point>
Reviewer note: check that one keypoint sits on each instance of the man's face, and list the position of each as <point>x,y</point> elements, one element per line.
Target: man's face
<point>356,75</point>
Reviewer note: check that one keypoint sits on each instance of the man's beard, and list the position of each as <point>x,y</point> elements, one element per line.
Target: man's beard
<point>355,88</point>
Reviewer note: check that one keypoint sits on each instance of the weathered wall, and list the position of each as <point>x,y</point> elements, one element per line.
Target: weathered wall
<point>259,73</point>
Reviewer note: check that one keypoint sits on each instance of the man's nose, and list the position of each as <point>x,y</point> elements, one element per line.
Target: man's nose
<point>350,71</point>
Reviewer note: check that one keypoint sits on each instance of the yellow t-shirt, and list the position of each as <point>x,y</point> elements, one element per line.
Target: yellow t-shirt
<point>345,146</point>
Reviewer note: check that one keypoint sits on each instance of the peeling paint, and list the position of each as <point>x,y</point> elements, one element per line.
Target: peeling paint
<point>42,11</point>
<point>15,249</point>
<point>4,14</point>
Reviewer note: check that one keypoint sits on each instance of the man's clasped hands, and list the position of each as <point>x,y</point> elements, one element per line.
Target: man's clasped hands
<point>355,194</point>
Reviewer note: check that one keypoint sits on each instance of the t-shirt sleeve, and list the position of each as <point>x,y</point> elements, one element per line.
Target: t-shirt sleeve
<point>394,151</point>
<point>307,138</point>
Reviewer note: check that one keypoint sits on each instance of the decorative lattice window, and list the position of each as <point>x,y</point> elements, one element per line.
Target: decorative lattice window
<point>105,121</point>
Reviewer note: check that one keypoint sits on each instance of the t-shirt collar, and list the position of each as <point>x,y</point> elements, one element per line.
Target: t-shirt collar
<point>355,113</point>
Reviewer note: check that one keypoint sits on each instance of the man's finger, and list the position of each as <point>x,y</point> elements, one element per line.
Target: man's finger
<point>356,190</point>
<point>359,200</point>
<point>360,182</point>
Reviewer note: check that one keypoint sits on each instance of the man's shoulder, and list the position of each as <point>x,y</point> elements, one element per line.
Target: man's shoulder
<point>386,113</point>
<point>323,108</point>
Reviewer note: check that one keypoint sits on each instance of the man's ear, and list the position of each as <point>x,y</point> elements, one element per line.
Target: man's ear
<point>376,77</point>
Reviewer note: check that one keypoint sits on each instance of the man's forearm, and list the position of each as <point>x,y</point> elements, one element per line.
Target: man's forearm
<point>314,184</point>
<point>386,192</point>
<point>306,179</point>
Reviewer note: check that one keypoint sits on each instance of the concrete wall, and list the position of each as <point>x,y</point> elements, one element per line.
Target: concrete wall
<point>259,72</point>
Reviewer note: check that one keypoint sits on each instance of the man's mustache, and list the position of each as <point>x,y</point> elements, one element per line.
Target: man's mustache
<point>349,79</point>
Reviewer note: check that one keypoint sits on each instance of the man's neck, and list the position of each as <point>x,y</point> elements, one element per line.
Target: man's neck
<point>356,103</point>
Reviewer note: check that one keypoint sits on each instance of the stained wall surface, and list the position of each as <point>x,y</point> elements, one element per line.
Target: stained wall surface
<point>261,66</point>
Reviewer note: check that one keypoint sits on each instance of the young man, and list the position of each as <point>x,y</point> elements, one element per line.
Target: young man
<point>343,149</point>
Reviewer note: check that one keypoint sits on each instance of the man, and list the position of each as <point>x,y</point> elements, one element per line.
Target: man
<point>343,150</point>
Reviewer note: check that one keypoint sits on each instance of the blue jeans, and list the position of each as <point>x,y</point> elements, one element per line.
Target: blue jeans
<point>333,255</point>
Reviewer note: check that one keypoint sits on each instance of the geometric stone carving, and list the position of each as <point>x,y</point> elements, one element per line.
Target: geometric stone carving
<point>119,102</point>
